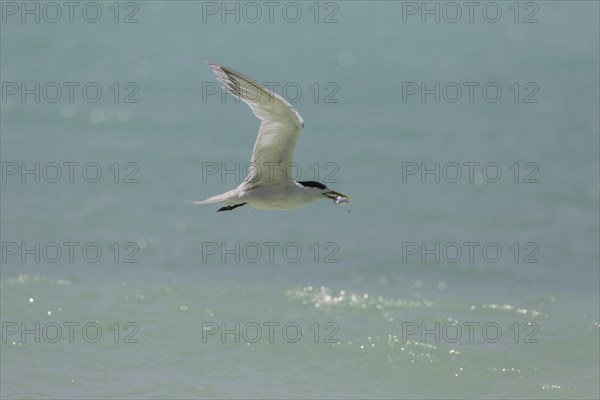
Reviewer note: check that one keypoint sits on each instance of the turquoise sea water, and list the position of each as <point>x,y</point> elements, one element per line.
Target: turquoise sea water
<point>435,285</point>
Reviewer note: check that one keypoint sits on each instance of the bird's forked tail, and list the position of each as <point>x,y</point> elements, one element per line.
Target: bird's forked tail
<point>215,199</point>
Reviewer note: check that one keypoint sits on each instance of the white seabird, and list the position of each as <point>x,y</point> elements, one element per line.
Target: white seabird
<point>267,186</point>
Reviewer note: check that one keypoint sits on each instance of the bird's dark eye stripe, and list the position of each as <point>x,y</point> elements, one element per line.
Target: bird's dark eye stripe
<point>313,184</point>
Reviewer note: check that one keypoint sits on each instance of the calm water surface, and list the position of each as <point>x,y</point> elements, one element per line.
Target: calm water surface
<point>467,268</point>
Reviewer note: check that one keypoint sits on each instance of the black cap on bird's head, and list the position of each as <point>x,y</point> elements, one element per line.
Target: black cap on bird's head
<point>313,184</point>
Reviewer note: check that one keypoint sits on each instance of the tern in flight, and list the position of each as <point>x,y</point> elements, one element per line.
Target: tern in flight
<point>267,186</point>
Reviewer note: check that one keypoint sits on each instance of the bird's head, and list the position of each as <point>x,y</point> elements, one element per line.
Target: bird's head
<point>337,197</point>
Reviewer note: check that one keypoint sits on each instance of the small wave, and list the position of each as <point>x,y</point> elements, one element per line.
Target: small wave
<point>22,279</point>
<point>326,297</point>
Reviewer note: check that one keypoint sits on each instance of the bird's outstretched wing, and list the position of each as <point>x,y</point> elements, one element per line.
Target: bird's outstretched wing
<point>279,131</point>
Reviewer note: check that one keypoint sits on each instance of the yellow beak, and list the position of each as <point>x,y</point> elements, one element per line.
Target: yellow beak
<point>333,195</point>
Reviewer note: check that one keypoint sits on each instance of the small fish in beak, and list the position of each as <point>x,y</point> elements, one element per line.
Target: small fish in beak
<point>345,201</point>
<point>339,198</point>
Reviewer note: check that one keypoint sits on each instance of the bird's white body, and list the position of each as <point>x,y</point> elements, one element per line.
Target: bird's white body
<point>284,196</point>
<point>267,186</point>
